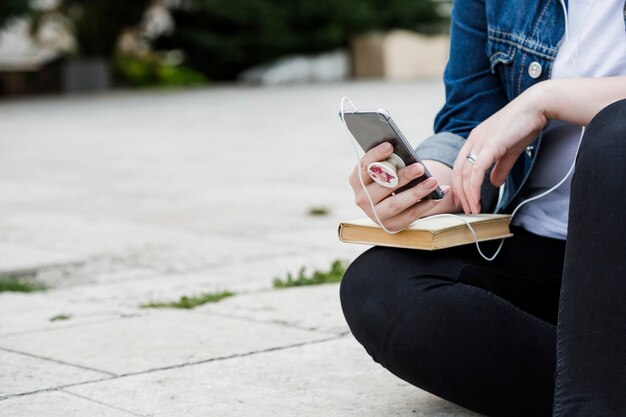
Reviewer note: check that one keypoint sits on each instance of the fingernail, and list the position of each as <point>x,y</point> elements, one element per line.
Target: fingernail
<point>430,182</point>
<point>386,147</point>
<point>417,169</point>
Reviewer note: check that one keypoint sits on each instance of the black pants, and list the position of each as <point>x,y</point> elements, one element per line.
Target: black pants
<point>540,331</point>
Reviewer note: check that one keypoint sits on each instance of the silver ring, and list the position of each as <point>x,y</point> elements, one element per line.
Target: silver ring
<point>471,157</point>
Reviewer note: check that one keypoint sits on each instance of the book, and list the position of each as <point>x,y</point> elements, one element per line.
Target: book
<point>429,233</point>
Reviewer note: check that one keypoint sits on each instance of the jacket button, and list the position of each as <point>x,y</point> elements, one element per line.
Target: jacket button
<point>535,70</point>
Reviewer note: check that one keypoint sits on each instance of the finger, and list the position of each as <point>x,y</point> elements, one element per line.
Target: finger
<point>396,204</point>
<point>469,169</point>
<point>475,182</point>
<point>450,203</point>
<point>461,166</point>
<point>457,189</point>
<point>411,214</point>
<point>376,154</point>
<point>446,205</point>
<point>457,178</point>
<point>405,176</point>
<point>461,187</point>
<point>502,168</point>
<point>477,177</point>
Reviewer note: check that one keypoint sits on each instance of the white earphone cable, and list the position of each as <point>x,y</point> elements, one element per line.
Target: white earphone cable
<point>345,100</point>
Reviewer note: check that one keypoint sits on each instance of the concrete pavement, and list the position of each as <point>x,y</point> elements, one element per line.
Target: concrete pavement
<point>116,200</point>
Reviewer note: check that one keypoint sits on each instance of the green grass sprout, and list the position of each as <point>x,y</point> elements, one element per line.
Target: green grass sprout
<point>319,211</point>
<point>60,317</point>
<point>335,274</point>
<point>188,302</point>
<point>15,284</point>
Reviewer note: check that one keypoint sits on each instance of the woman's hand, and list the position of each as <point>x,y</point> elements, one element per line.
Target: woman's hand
<point>503,137</point>
<point>500,139</point>
<point>399,210</point>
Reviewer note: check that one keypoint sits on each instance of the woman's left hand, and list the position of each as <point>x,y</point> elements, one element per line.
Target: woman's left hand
<point>500,139</point>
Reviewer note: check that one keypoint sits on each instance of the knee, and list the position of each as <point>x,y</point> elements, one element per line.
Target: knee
<point>600,164</point>
<point>605,137</point>
<point>360,288</point>
<point>379,289</point>
<point>368,294</point>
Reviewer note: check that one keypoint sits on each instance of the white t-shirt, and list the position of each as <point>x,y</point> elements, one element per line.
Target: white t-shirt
<point>600,33</point>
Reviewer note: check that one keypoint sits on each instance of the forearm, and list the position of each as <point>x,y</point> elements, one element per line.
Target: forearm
<point>577,100</point>
<point>441,172</point>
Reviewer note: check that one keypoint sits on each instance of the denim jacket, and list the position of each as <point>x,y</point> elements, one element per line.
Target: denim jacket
<point>498,50</point>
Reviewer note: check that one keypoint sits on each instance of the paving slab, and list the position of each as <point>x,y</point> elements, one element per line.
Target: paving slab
<point>240,277</point>
<point>158,340</point>
<point>311,307</point>
<point>21,374</point>
<point>33,312</point>
<point>150,206</point>
<point>145,186</point>
<point>57,404</point>
<point>22,258</point>
<point>135,245</point>
<point>334,378</point>
<point>91,271</point>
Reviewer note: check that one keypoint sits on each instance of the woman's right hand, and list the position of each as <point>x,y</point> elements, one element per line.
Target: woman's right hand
<point>396,211</point>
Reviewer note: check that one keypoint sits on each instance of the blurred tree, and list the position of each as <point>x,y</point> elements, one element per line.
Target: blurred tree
<point>95,24</point>
<point>12,8</point>
<point>221,38</point>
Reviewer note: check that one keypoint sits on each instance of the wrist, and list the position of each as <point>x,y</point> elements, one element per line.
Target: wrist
<point>540,96</point>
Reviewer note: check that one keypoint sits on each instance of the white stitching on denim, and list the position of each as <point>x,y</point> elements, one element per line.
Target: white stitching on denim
<point>507,57</point>
<point>521,75</point>
<point>522,47</point>
<point>501,58</point>
<point>543,12</point>
<point>522,40</point>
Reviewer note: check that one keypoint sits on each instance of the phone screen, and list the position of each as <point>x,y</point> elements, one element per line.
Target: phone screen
<point>372,128</point>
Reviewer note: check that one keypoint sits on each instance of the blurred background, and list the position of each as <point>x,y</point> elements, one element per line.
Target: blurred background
<point>60,46</point>
<point>172,175</point>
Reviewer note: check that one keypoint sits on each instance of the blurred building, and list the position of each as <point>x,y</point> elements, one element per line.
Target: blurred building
<point>48,65</point>
<point>26,67</point>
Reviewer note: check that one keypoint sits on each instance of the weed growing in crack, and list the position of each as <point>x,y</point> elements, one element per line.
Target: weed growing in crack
<point>60,317</point>
<point>189,302</point>
<point>337,269</point>
<point>16,284</point>
<point>319,211</point>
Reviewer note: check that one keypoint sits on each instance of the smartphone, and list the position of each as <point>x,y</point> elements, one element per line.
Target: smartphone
<point>370,128</point>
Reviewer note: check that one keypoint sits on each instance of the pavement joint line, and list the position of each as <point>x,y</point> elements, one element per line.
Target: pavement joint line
<point>86,368</point>
<point>211,266</point>
<point>34,270</point>
<point>215,266</point>
<point>235,356</point>
<point>69,326</point>
<point>251,320</point>
<point>132,413</point>
<point>114,377</point>
<point>52,389</point>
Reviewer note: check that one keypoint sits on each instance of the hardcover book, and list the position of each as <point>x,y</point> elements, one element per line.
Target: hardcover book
<point>429,233</point>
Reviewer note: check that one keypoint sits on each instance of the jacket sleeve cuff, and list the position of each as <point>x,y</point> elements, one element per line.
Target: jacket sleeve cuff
<point>442,147</point>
